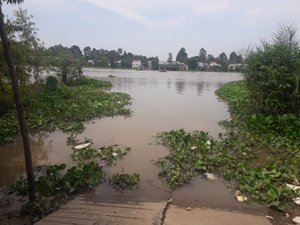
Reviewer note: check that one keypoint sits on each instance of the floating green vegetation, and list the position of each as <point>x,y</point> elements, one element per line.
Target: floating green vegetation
<point>65,108</point>
<point>55,184</point>
<point>247,139</point>
<point>106,155</point>
<point>125,181</point>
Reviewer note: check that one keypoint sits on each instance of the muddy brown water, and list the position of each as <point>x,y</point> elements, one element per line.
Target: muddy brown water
<point>160,102</point>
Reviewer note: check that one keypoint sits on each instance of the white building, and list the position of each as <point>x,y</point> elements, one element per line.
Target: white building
<point>136,64</point>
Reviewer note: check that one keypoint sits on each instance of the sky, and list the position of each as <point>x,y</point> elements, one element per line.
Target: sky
<point>157,27</point>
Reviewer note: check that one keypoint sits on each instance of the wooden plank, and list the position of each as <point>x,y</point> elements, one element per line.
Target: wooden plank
<point>87,211</point>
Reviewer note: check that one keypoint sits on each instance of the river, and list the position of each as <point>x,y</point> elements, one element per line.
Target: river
<point>160,102</point>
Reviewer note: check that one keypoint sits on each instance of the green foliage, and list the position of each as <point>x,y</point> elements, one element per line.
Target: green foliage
<point>187,151</point>
<point>90,82</point>
<point>261,153</point>
<point>192,63</point>
<point>272,75</point>
<point>51,83</point>
<point>182,56</point>
<point>235,94</point>
<point>125,181</point>
<point>67,108</point>
<point>267,185</point>
<point>106,154</point>
<point>55,184</point>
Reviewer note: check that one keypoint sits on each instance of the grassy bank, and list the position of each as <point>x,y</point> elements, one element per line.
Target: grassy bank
<point>65,108</point>
<point>261,153</point>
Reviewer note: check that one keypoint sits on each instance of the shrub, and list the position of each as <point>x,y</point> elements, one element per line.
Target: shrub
<point>273,74</point>
<point>51,83</point>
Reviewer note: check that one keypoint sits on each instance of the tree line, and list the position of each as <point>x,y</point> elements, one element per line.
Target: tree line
<point>203,57</point>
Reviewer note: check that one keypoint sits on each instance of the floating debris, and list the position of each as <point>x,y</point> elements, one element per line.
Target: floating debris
<point>296,220</point>
<point>189,209</point>
<point>193,147</point>
<point>270,217</point>
<point>293,187</point>
<point>114,154</point>
<point>237,193</point>
<point>210,176</point>
<point>241,198</point>
<point>296,200</point>
<point>82,146</point>
<point>208,142</point>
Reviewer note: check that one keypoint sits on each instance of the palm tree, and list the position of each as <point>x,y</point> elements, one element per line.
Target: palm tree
<point>18,101</point>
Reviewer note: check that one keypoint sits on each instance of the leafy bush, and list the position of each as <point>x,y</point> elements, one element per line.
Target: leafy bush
<point>272,75</point>
<point>51,83</point>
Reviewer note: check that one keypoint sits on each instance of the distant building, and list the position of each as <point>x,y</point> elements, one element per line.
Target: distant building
<point>136,64</point>
<point>91,62</point>
<point>203,66</point>
<point>235,67</point>
<point>215,65</point>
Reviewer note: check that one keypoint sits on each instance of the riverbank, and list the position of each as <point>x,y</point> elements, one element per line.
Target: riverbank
<point>261,153</point>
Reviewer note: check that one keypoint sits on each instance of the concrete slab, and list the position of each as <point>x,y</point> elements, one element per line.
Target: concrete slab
<point>85,211</point>
<point>202,216</point>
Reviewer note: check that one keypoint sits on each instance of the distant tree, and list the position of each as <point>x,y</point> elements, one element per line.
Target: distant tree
<point>76,51</point>
<point>18,101</point>
<point>87,52</point>
<point>223,61</point>
<point>210,58</point>
<point>155,62</point>
<point>182,56</point>
<point>233,57</point>
<point>113,56</point>
<point>170,58</point>
<point>240,59</point>
<point>120,51</point>
<point>193,63</point>
<point>203,55</point>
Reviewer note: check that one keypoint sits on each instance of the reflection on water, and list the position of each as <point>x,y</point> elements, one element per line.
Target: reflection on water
<point>160,102</point>
<point>12,157</point>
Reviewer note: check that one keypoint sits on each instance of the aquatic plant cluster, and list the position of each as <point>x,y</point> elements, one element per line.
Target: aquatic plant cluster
<point>248,138</point>
<point>121,181</point>
<point>64,107</point>
<point>55,184</point>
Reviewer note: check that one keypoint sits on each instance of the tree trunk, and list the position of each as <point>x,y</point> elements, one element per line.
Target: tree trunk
<point>19,107</point>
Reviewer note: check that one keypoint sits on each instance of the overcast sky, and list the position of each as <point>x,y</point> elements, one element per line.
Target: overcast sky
<point>157,27</point>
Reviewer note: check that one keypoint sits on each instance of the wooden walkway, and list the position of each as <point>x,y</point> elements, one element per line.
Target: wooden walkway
<point>86,210</point>
<point>90,209</point>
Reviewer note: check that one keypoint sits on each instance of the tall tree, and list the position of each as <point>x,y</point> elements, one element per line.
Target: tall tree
<point>76,51</point>
<point>203,55</point>
<point>18,101</point>
<point>223,60</point>
<point>193,63</point>
<point>182,56</point>
<point>210,58</point>
<point>233,57</point>
<point>87,52</point>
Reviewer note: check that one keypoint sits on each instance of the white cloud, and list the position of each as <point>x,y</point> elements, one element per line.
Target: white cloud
<point>212,7</point>
<point>168,13</point>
